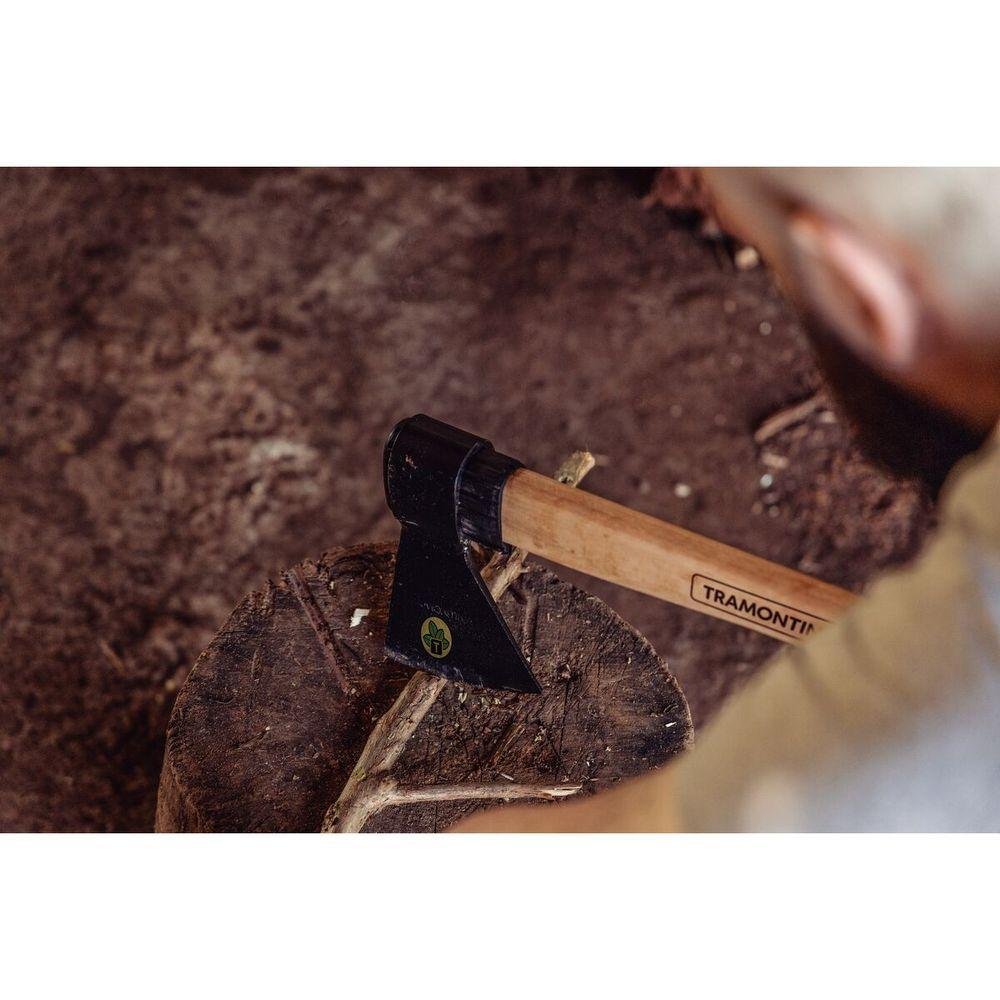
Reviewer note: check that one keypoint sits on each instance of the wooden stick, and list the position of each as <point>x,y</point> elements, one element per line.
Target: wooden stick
<point>366,791</point>
<point>623,546</point>
<point>377,795</point>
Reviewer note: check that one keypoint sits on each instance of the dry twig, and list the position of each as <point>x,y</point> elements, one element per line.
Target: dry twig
<point>370,787</point>
<point>787,416</point>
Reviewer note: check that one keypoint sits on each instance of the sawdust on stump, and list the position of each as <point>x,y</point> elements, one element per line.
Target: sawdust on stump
<point>263,735</point>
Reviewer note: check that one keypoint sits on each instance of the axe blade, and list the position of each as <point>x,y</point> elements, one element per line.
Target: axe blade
<point>455,628</point>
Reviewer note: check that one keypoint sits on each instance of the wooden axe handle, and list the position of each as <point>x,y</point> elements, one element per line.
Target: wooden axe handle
<point>623,546</point>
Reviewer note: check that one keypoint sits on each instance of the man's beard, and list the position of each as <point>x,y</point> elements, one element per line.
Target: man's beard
<point>909,437</point>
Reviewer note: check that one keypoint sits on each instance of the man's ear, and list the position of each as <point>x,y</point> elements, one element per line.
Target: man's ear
<point>859,289</point>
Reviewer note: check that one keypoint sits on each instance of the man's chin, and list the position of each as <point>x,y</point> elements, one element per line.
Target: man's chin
<point>907,436</point>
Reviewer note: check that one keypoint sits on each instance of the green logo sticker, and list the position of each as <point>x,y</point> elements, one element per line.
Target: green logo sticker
<point>436,636</point>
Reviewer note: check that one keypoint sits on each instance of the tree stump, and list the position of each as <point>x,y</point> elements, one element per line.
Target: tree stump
<point>276,712</point>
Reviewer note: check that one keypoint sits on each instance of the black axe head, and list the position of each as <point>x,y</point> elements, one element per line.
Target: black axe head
<point>445,487</point>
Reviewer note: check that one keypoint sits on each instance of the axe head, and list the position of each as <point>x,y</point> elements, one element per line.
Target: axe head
<point>445,487</point>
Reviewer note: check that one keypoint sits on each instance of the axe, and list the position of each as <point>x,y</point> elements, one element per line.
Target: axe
<point>449,489</point>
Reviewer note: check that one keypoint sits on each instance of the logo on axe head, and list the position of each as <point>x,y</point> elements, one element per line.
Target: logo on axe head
<point>436,637</point>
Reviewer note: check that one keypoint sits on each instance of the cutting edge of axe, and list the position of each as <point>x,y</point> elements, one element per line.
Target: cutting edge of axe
<point>449,488</point>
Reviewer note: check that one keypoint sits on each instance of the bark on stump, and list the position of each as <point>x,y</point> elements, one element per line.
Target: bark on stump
<point>276,711</point>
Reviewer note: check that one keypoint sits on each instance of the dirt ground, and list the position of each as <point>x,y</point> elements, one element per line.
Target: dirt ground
<point>199,369</point>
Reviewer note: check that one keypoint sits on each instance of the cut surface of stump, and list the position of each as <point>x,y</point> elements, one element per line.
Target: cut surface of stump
<point>276,711</point>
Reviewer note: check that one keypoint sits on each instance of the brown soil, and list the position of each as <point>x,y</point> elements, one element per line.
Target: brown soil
<point>199,369</point>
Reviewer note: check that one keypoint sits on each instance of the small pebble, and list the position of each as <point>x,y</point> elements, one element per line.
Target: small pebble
<point>766,481</point>
<point>682,490</point>
<point>746,258</point>
<point>358,614</point>
<point>765,329</point>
